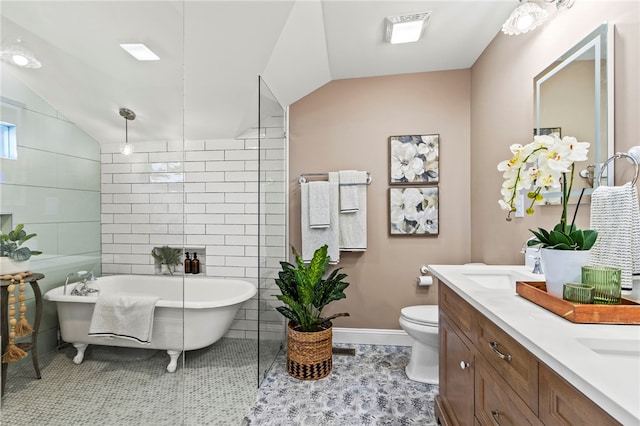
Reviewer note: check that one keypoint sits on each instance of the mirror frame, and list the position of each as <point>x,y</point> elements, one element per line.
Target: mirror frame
<point>601,40</point>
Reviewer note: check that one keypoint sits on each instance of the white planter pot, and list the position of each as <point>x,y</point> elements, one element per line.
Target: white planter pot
<point>563,266</point>
<point>10,266</point>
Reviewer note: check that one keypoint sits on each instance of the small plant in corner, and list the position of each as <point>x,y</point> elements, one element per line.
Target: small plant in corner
<point>10,244</point>
<point>305,292</point>
<point>169,256</point>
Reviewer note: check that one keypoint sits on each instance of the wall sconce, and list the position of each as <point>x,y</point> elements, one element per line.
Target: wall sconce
<point>127,114</point>
<point>528,15</point>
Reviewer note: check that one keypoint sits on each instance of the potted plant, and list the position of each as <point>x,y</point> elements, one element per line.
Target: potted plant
<point>167,257</point>
<point>13,257</point>
<point>305,293</point>
<point>542,166</point>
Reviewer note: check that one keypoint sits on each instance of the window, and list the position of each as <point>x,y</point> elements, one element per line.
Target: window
<point>8,144</point>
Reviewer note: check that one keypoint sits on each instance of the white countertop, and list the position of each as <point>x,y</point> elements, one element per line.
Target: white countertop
<point>600,360</point>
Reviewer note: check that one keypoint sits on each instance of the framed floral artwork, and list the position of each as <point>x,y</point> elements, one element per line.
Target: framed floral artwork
<point>413,211</point>
<point>414,159</point>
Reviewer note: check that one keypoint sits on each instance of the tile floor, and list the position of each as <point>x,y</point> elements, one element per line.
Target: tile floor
<point>215,387</point>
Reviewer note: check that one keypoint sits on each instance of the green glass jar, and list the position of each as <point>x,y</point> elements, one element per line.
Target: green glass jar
<point>606,282</point>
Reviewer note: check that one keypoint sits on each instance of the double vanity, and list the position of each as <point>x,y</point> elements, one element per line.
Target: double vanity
<point>505,360</point>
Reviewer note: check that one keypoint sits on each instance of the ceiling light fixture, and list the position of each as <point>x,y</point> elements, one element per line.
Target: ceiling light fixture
<point>140,52</point>
<point>405,28</point>
<point>528,15</point>
<point>18,54</point>
<point>127,114</point>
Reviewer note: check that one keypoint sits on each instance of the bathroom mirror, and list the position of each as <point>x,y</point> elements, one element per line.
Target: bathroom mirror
<point>574,97</point>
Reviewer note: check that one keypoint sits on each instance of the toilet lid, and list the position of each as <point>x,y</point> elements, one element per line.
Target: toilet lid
<point>424,314</point>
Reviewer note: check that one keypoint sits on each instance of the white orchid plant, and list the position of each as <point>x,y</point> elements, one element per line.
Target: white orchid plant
<point>540,167</point>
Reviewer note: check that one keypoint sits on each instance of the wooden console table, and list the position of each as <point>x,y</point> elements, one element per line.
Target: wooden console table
<point>32,345</point>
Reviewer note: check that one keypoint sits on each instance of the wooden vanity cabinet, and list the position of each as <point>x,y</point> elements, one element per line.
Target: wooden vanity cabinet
<point>487,378</point>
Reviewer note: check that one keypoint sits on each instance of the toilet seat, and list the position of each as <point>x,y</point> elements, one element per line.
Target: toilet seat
<point>421,314</point>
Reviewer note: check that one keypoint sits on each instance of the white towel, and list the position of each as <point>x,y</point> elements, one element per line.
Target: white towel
<point>127,317</point>
<point>615,214</point>
<point>353,226</point>
<point>348,191</point>
<point>319,216</point>
<point>314,238</point>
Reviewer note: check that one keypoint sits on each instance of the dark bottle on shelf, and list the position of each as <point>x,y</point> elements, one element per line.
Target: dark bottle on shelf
<point>195,264</point>
<point>187,264</point>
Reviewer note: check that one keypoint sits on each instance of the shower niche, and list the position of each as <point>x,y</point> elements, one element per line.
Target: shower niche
<point>179,260</point>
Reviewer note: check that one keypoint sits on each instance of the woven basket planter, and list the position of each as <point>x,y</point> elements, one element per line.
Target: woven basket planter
<point>309,354</point>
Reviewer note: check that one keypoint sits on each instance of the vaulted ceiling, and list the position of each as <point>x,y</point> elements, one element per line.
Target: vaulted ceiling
<point>212,52</point>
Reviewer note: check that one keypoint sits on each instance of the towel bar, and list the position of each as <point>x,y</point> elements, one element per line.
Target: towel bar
<point>303,179</point>
<point>617,156</point>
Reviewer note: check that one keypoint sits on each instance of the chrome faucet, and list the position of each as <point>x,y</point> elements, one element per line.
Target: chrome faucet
<point>81,288</point>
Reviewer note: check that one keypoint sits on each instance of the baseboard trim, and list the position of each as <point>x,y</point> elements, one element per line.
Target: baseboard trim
<point>371,336</point>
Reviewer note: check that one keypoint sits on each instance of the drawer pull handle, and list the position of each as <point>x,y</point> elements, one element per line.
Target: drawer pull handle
<point>495,417</point>
<point>494,348</point>
<point>464,365</point>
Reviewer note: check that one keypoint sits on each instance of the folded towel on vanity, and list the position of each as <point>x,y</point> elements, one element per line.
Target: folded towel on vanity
<point>127,317</point>
<point>353,225</point>
<point>313,238</point>
<point>348,191</point>
<point>319,216</point>
<point>615,214</point>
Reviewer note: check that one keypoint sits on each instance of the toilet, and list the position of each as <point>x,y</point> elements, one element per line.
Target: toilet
<point>421,324</point>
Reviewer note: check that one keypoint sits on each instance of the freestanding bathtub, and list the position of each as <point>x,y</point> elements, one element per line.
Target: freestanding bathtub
<point>187,317</point>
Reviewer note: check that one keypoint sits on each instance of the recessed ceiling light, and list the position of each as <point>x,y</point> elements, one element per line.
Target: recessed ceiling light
<point>140,52</point>
<point>18,54</point>
<point>405,28</point>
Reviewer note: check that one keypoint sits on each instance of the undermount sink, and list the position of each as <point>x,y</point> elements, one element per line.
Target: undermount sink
<point>612,347</point>
<point>492,280</point>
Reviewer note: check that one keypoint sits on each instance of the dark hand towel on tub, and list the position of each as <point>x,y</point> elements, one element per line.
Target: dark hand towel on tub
<point>127,317</point>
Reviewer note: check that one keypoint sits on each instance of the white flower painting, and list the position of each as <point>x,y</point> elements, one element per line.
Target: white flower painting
<point>414,159</point>
<point>413,211</point>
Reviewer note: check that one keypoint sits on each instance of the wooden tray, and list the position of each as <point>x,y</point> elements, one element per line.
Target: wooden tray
<point>627,312</point>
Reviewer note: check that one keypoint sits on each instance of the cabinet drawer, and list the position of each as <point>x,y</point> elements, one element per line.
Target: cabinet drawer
<point>496,404</point>
<point>562,404</point>
<point>512,361</point>
<point>460,312</point>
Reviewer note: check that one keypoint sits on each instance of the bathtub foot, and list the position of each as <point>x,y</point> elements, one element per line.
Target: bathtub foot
<point>80,347</point>
<point>174,360</point>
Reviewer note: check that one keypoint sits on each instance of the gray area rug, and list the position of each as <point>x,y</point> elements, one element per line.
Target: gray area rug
<point>370,388</point>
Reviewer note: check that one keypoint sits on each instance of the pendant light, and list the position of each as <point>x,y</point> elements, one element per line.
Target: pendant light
<point>127,114</point>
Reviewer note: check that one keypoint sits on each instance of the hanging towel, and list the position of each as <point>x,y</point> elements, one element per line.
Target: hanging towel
<point>319,216</point>
<point>615,214</point>
<point>313,238</point>
<point>127,317</point>
<point>353,226</point>
<point>348,191</point>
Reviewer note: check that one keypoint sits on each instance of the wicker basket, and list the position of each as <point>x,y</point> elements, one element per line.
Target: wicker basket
<point>309,354</point>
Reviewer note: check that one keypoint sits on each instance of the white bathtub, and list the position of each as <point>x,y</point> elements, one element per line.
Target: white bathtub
<point>209,306</point>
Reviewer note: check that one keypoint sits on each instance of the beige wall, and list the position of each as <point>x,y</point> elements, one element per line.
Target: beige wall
<point>502,114</point>
<point>345,125</point>
<point>478,113</point>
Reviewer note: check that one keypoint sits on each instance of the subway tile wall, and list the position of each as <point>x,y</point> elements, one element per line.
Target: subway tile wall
<point>202,195</point>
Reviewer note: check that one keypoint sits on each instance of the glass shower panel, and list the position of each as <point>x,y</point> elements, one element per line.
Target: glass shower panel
<point>93,207</point>
<point>272,142</point>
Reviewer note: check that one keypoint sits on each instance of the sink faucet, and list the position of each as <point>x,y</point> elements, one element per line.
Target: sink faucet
<point>537,268</point>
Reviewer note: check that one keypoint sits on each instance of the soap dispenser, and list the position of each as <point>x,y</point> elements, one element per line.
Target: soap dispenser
<point>195,264</point>
<point>187,264</point>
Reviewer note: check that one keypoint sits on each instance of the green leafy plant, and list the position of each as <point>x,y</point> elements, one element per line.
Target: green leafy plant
<point>305,292</point>
<point>169,256</point>
<point>10,244</point>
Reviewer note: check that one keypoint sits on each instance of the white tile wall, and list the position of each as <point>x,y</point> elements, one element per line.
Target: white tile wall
<point>198,194</point>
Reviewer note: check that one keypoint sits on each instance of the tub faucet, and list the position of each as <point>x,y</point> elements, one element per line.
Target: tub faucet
<point>83,289</point>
